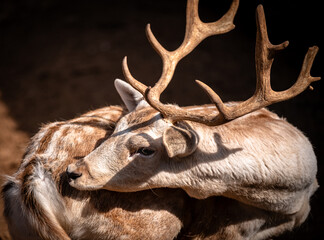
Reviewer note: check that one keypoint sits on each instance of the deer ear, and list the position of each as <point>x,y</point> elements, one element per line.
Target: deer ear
<point>179,142</point>
<point>130,96</point>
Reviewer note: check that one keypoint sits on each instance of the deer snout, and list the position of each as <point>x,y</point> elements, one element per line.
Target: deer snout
<point>72,172</point>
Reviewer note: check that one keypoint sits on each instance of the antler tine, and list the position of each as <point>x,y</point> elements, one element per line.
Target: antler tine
<point>196,31</point>
<point>225,23</point>
<point>303,81</point>
<point>264,95</point>
<point>263,66</point>
<point>131,80</point>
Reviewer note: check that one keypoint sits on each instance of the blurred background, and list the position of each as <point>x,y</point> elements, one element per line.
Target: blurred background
<point>59,59</point>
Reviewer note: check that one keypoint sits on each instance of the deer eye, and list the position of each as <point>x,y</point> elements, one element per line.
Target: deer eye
<point>145,151</point>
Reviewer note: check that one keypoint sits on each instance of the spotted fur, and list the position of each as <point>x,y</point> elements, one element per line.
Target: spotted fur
<point>40,204</point>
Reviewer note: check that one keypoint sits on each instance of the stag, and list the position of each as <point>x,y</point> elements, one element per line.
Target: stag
<point>238,150</point>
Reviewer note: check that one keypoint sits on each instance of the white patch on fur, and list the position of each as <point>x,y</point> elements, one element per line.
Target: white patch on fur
<point>47,195</point>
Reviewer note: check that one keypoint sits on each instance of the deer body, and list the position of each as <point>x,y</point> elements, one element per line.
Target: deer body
<point>258,159</point>
<point>40,204</point>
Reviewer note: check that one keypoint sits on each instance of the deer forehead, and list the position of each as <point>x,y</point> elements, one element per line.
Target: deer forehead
<point>139,122</point>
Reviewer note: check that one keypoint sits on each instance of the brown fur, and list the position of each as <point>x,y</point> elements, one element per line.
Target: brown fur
<point>156,214</point>
<point>104,214</point>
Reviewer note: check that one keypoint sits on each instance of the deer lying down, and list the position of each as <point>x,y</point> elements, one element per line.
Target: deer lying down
<point>238,150</point>
<point>40,204</point>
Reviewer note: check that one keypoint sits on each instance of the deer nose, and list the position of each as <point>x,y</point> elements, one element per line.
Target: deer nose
<point>72,173</point>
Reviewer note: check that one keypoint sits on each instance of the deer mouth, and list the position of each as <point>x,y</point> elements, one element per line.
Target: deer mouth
<point>80,178</point>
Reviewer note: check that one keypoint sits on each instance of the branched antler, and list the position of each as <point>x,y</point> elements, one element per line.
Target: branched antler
<point>264,95</point>
<point>197,31</point>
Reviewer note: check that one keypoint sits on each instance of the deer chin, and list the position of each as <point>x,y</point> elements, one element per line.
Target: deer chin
<point>84,184</point>
<point>124,185</point>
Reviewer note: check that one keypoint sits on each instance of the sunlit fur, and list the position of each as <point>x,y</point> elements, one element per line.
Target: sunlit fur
<point>40,204</point>
<point>260,160</point>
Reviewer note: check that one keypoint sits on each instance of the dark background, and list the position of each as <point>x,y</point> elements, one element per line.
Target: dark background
<point>58,59</point>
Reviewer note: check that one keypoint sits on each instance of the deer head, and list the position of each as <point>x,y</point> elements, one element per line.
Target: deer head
<point>217,149</point>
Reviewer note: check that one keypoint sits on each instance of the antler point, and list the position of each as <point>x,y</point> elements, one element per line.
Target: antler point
<point>259,7</point>
<point>315,79</point>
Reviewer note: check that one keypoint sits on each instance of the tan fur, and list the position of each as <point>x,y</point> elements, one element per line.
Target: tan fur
<point>40,204</point>
<point>259,159</point>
